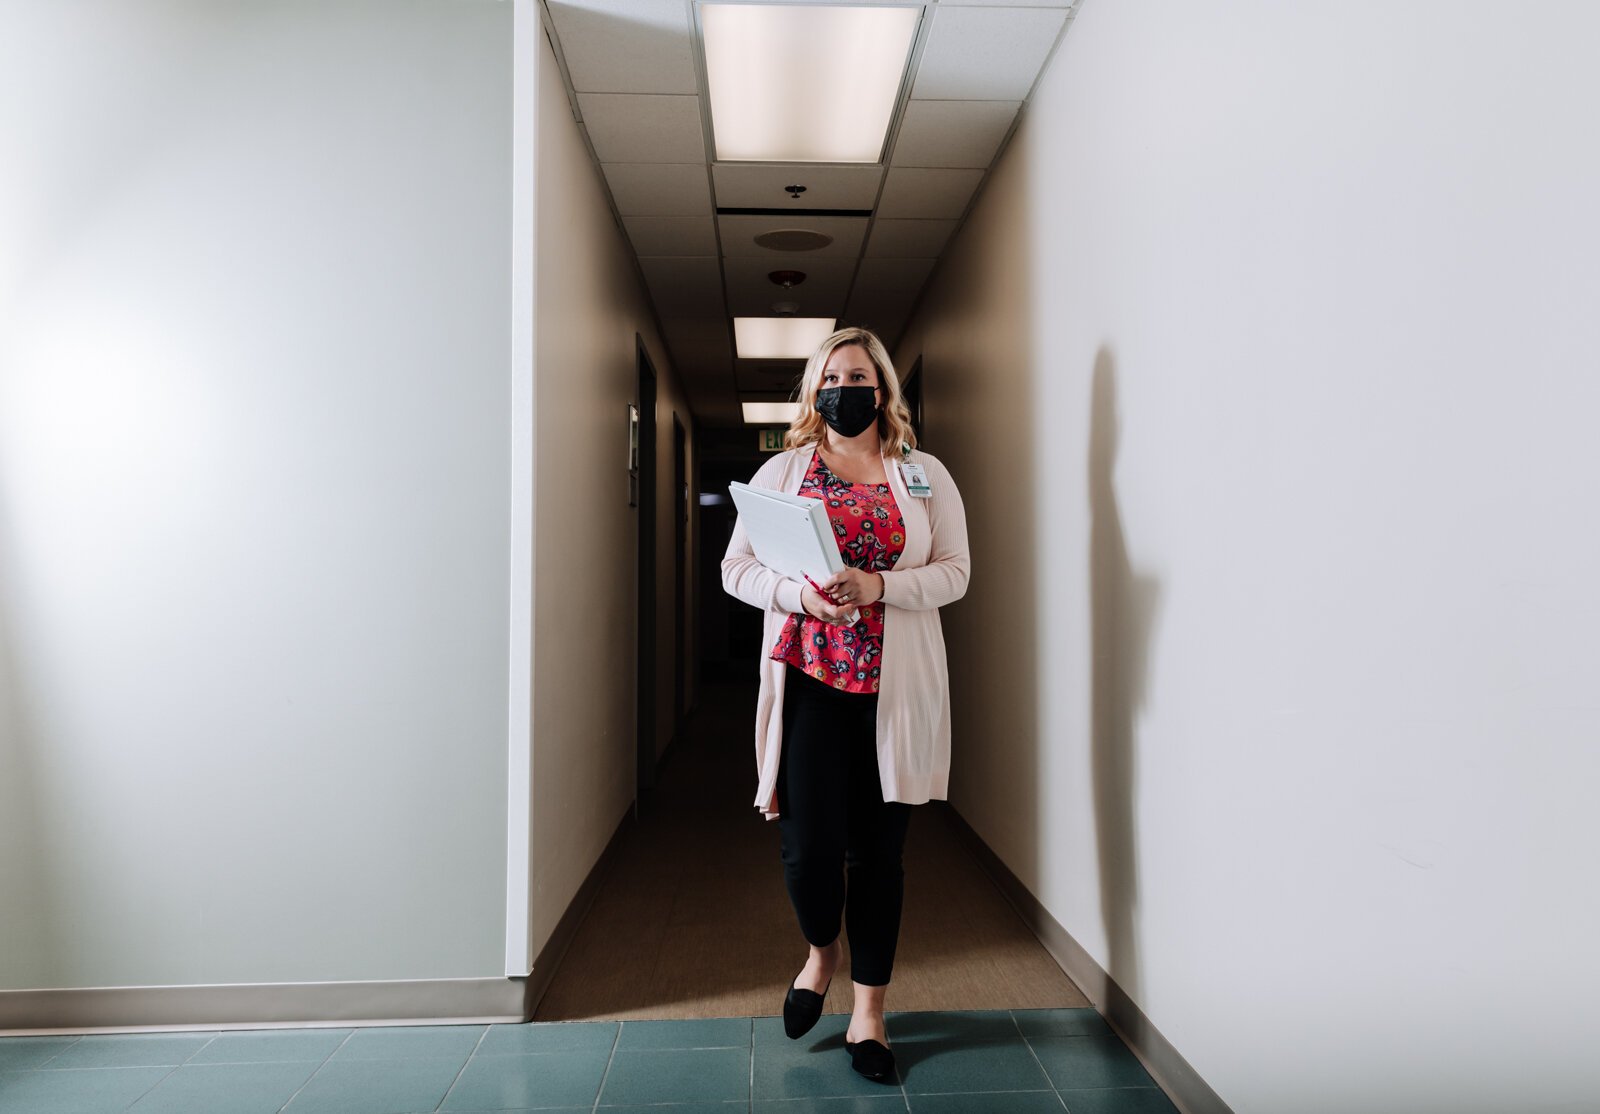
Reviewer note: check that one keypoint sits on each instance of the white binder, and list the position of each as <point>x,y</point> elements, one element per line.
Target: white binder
<point>790,534</point>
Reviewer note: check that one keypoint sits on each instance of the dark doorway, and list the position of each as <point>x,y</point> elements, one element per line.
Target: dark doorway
<point>680,547</point>
<point>911,389</point>
<point>728,638</point>
<point>645,687</point>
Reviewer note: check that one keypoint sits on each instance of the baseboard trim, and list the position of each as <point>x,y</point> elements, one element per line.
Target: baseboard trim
<point>1190,1093</point>
<point>157,1009</point>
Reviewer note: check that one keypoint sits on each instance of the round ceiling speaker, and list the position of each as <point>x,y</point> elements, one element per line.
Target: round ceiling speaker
<point>793,239</point>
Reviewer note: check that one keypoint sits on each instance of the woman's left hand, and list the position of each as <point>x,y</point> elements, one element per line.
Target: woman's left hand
<point>854,588</point>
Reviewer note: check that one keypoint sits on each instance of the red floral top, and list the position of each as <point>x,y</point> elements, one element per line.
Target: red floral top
<point>872,535</point>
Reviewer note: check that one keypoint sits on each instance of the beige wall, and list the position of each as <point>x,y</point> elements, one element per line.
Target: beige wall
<point>1265,363</point>
<point>591,306</point>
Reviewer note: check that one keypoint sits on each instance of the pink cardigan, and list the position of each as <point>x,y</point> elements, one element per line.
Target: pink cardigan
<point>914,689</point>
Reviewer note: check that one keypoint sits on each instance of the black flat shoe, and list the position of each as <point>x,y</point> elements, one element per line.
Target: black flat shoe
<point>872,1059</point>
<point>801,1008</point>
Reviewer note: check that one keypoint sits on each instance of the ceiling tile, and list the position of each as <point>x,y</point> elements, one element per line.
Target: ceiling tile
<point>909,238</point>
<point>897,276</point>
<point>952,133</point>
<point>914,192</point>
<point>768,375</point>
<point>743,185</point>
<point>709,337</point>
<point>672,235</point>
<point>701,352</point>
<point>714,407</point>
<point>751,293</point>
<point>626,46</point>
<point>739,233</point>
<point>659,189</point>
<point>986,53</point>
<point>701,328</point>
<point>702,377</point>
<point>643,127</point>
<point>884,293</point>
<point>712,374</point>
<point>683,287</point>
<point>884,317</point>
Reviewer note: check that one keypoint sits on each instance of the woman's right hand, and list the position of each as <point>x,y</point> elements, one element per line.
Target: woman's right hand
<point>819,608</point>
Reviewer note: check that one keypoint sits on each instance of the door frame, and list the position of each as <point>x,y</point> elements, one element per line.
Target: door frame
<point>645,659</point>
<point>681,506</point>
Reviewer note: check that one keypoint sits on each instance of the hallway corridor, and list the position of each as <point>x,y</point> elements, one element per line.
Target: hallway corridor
<point>378,697</point>
<point>692,919</point>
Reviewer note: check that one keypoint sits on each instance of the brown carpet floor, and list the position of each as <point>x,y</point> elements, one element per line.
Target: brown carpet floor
<point>692,919</point>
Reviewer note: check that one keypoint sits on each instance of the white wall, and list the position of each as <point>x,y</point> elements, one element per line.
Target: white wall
<point>1267,364</point>
<point>591,307</point>
<point>253,491</point>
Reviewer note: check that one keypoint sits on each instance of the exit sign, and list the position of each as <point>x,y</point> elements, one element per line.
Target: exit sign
<point>772,440</point>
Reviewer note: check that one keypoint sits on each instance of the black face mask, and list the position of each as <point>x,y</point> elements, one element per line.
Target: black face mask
<point>848,410</point>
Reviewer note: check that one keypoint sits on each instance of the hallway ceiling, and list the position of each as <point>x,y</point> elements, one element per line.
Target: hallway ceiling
<point>635,74</point>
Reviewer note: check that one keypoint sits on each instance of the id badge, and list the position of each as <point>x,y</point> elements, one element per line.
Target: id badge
<point>916,478</point>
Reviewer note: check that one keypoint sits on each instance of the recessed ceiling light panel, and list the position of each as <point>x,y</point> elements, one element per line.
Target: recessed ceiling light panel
<point>804,82</point>
<point>770,413</point>
<point>779,338</point>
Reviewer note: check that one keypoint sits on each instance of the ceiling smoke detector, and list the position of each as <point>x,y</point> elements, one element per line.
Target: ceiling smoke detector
<point>793,239</point>
<point>787,279</point>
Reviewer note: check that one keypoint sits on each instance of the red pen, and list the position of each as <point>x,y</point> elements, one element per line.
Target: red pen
<point>821,591</point>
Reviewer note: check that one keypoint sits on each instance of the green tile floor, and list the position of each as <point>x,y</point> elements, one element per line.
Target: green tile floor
<point>977,1062</point>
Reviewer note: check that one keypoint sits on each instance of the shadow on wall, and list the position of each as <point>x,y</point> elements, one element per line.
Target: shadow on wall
<point>1124,606</point>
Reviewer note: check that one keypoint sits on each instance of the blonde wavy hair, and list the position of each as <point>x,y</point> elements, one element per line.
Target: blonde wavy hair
<point>894,417</point>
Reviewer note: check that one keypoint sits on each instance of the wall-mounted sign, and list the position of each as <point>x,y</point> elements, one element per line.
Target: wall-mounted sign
<point>633,455</point>
<point>772,440</point>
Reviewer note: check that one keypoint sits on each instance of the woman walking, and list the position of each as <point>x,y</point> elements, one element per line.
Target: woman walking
<point>853,718</point>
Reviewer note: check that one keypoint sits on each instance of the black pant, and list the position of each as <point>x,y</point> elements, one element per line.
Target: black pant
<point>832,813</point>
